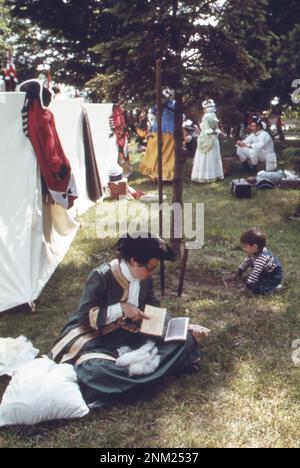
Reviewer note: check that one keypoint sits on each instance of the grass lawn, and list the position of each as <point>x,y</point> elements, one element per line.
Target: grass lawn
<point>246,393</point>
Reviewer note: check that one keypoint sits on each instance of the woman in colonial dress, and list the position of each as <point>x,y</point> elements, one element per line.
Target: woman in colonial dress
<point>207,165</point>
<point>109,318</point>
<point>148,166</point>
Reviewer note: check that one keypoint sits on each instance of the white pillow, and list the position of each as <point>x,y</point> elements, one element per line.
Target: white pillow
<point>14,352</point>
<point>41,391</point>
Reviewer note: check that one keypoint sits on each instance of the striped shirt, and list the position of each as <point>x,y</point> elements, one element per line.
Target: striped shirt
<point>264,262</point>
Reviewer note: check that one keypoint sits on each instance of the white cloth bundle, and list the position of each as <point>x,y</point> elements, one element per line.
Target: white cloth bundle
<point>42,390</point>
<point>14,352</point>
<point>291,175</point>
<point>141,361</point>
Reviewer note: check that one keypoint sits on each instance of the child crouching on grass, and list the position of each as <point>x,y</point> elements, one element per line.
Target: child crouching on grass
<point>266,276</point>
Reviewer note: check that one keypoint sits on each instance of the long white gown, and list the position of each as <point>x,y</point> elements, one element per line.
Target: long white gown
<point>207,165</point>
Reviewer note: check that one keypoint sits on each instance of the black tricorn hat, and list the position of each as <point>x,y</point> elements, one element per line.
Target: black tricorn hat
<point>145,243</point>
<point>35,89</point>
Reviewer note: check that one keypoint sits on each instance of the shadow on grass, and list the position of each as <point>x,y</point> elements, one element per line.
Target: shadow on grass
<point>252,331</point>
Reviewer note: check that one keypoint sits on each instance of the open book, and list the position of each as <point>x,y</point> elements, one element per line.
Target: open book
<point>177,327</point>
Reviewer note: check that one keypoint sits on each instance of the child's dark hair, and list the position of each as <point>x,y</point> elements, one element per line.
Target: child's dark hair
<point>254,236</point>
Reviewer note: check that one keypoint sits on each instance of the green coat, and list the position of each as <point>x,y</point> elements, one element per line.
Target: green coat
<point>92,347</point>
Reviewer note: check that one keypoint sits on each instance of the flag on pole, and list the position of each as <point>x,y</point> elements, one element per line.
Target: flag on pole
<point>10,76</point>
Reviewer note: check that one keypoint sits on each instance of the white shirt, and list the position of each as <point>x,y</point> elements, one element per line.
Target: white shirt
<point>260,142</point>
<point>114,312</point>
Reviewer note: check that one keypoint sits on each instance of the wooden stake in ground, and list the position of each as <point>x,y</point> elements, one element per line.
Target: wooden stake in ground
<point>182,270</point>
<point>159,165</point>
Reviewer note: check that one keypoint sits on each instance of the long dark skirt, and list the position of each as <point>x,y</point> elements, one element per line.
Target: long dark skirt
<point>102,382</point>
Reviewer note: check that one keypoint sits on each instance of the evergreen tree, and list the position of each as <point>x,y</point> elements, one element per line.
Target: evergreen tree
<point>283,58</point>
<point>4,31</point>
<point>283,20</point>
<point>207,49</point>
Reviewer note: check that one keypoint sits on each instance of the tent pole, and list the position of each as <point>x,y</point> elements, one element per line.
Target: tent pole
<point>159,165</point>
<point>182,270</point>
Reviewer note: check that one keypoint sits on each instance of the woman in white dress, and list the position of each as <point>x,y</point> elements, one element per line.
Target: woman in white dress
<point>207,165</point>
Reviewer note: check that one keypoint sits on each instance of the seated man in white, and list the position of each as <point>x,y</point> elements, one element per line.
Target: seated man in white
<point>257,147</point>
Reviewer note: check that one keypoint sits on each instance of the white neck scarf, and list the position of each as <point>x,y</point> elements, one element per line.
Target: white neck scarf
<point>134,284</point>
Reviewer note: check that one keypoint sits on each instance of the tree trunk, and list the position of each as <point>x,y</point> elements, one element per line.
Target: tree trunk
<point>180,156</point>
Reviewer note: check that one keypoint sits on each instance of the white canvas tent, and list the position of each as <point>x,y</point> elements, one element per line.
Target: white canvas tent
<point>68,115</point>
<point>105,147</point>
<point>33,237</point>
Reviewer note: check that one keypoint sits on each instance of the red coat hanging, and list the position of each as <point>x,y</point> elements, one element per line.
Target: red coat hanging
<point>39,126</point>
<point>120,129</point>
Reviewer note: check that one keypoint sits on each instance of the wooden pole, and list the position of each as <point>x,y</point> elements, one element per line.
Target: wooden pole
<point>182,270</point>
<point>159,164</point>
